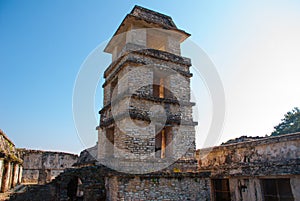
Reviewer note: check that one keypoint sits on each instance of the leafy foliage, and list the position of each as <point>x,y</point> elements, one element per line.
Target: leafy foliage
<point>289,124</point>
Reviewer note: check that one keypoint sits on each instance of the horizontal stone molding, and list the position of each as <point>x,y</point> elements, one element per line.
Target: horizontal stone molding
<point>145,116</point>
<point>126,94</point>
<point>135,57</point>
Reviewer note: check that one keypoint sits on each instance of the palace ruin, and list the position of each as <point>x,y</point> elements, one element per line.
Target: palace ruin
<point>146,145</point>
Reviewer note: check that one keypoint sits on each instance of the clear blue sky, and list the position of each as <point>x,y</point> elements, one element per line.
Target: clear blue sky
<point>255,46</point>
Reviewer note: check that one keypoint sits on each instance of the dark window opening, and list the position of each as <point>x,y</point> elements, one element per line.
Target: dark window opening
<point>221,191</point>
<point>277,190</point>
<point>160,85</point>
<point>110,132</point>
<point>162,139</point>
<point>74,189</point>
<point>158,88</point>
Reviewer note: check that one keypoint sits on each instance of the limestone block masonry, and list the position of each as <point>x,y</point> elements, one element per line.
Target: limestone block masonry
<point>246,165</point>
<point>43,166</point>
<point>147,113</point>
<point>257,170</point>
<point>243,167</point>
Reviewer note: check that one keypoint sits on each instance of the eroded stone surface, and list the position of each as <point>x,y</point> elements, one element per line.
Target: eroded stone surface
<point>243,165</point>
<point>43,166</point>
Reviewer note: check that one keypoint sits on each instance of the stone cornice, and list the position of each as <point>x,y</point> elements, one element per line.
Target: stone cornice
<point>262,141</point>
<point>135,57</point>
<point>145,116</point>
<point>126,94</point>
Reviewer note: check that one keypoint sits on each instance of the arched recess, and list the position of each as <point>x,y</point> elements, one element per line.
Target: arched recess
<point>75,189</point>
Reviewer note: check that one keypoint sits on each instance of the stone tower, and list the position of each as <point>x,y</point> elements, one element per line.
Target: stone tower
<point>147,114</point>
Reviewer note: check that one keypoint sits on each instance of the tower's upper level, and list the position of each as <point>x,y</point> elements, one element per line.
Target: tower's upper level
<point>146,29</point>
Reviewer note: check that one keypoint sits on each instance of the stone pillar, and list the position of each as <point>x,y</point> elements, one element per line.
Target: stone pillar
<point>20,174</point>
<point>1,170</point>
<point>6,177</point>
<point>15,176</point>
<point>11,175</point>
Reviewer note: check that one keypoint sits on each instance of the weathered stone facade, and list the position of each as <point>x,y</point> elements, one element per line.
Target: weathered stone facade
<point>242,169</point>
<point>159,187</point>
<point>87,157</point>
<point>247,164</point>
<point>101,183</point>
<point>258,169</point>
<point>147,113</point>
<point>10,164</point>
<point>43,166</point>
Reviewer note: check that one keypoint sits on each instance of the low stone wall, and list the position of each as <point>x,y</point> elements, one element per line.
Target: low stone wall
<point>43,166</point>
<point>102,183</point>
<point>159,187</point>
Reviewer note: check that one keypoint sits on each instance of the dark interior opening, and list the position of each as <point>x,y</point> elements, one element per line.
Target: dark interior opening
<point>221,190</point>
<point>110,132</point>
<point>160,85</point>
<point>74,191</point>
<point>277,189</point>
<point>162,140</point>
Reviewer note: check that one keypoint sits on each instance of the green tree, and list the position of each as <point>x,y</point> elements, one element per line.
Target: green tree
<point>289,124</point>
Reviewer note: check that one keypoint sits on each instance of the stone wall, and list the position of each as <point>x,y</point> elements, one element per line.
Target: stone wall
<point>147,114</point>
<point>235,171</point>
<point>100,183</point>
<point>43,166</point>
<point>132,103</point>
<point>87,157</point>
<point>86,183</point>
<point>266,152</point>
<point>158,187</point>
<point>247,164</point>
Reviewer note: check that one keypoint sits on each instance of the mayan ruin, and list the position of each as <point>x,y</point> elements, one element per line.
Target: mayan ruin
<point>146,143</point>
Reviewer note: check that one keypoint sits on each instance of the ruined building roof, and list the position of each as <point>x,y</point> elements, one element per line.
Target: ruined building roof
<point>5,137</point>
<point>87,157</point>
<point>152,16</point>
<point>145,18</point>
<point>242,139</point>
<point>7,149</point>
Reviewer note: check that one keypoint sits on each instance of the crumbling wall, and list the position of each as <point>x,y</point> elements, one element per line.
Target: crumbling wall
<point>43,166</point>
<point>279,151</point>
<point>87,157</point>
<point>246,164</point>
<point>102,183</point>
<point>89,184</point>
